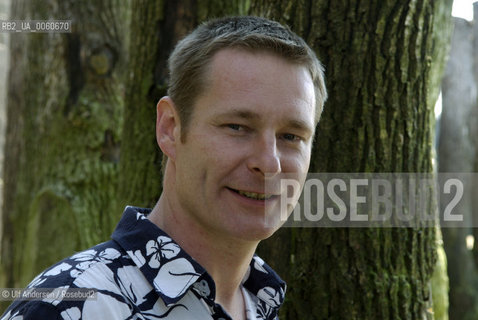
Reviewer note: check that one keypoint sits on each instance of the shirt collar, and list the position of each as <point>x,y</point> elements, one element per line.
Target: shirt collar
<point>262,281</point>
<point>172,272</point>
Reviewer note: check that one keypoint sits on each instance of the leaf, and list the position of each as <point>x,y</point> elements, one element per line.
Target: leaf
<point>175,277</point>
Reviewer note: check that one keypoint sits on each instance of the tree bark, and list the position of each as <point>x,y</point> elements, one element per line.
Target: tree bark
<point>379,118</point>
<point>65,100</point>
<point>4,54</point>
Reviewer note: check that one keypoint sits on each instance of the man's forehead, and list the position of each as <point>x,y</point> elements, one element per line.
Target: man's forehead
<point>236,64</point>
<point>229,57</point>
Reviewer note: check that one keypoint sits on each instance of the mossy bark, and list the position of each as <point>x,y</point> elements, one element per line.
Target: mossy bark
<point>382,78</point>
<point>65,101</point>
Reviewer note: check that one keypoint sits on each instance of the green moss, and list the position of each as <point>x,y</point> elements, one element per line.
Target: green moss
<point>49,217</point>
<point>68,166</point>
<point>439,283</point>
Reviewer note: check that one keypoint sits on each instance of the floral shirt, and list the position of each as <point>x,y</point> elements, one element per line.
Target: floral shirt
<point>143,274</point>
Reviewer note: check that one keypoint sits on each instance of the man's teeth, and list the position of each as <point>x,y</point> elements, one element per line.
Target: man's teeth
<point>253,195</point>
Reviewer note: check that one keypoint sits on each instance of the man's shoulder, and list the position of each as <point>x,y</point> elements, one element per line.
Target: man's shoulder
<point>33,310</point>
<point>104,256</point>
<point>94,268</point>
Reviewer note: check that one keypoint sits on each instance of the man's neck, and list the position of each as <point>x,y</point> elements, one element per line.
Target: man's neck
<point>225,259</point>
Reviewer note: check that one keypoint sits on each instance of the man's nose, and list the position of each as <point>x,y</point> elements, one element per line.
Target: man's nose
<point>265,157</point>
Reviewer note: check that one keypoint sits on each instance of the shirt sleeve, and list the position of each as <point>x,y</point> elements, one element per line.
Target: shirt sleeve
<point>33,310</point>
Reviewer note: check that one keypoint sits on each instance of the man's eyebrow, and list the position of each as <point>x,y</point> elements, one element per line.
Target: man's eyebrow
<point>245,114</point>
<point>251,115</point>
<point>300,125</point>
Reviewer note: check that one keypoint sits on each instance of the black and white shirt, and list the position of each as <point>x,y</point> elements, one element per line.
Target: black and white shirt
<point>143,274</point>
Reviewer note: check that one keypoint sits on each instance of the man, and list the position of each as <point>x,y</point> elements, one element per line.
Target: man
<point>245,96</point>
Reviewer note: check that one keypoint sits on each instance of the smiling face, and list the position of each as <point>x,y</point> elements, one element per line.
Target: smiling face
<point>254,121</point>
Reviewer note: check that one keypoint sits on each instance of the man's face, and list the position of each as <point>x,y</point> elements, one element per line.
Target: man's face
<point>254,121</point>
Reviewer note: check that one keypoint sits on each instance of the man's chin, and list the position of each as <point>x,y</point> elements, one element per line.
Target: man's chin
<point>257,234</point>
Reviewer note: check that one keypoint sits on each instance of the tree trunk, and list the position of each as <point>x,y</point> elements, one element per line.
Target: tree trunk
<point>65,100</point>
<point>458,152</point>
<point>380,77</point>
<point>4,44</point>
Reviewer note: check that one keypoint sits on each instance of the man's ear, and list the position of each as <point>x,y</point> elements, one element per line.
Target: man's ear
<point>168,127</point>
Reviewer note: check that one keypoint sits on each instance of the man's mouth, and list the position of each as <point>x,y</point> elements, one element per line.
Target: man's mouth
<point>253,195</point>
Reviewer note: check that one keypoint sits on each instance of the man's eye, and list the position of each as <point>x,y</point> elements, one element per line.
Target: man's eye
<point>291,137</point>
<point>234,126</point>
